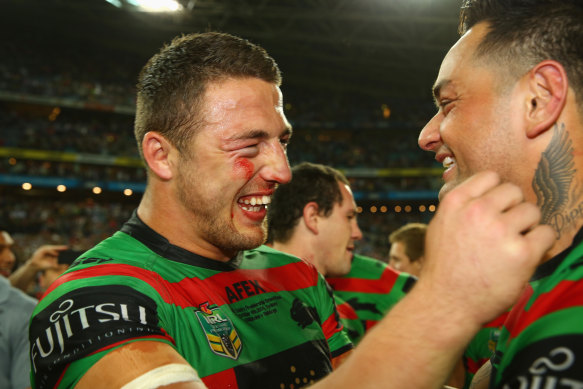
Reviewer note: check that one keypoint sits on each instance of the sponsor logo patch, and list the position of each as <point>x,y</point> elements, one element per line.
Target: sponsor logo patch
<point>552,363</point>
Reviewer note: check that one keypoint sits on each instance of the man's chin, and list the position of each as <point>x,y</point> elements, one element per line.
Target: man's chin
<point>253,237</point>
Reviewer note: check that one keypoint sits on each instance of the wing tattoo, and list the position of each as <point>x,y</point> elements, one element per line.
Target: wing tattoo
<point>554,174</point>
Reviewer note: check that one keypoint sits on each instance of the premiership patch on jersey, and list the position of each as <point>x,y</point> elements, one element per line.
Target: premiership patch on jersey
<point>220,332</point>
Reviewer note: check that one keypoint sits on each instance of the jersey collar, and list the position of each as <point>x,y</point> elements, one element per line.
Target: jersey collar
<point>548,268</point>
<point>137,229</point>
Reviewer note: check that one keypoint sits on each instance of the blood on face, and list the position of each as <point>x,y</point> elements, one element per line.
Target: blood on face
<point>243,168</point>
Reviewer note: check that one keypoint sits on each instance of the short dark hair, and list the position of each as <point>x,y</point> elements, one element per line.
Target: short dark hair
<point>171,85</point>
<point>523,33</point>
<point>310,182</point>
<point>413,237</point>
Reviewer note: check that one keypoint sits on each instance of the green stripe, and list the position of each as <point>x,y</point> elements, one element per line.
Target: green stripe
<point>563,322</point>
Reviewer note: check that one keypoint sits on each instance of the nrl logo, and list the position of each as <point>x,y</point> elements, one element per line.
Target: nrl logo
<point>220,332</point>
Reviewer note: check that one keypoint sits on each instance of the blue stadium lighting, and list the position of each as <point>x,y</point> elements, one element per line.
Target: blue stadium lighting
<point>115,3</point>
<point>148,5</point>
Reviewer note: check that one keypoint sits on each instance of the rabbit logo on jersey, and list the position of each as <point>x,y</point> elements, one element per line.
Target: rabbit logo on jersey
<point>220,332</point>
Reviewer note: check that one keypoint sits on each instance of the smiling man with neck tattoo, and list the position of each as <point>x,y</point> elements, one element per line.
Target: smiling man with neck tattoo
<point>510,99</point>
<point>171,301</point>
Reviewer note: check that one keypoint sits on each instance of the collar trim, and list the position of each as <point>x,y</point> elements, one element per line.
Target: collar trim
<point>138,230</point>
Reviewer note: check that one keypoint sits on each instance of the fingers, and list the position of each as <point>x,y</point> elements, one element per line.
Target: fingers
<point>486,188</point>
<point>475,186</point>
<point>521,217</point>
<point>494,242</point>
<point>540,239</point>
<point>47,256</point>
<point>54,249</point>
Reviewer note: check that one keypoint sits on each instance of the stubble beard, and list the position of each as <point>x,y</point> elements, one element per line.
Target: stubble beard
<point>212,225</point>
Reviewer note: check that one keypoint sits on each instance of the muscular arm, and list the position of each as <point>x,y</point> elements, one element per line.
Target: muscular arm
<point>407,349</point>
<point>493,245</point>
<point>131,361</point>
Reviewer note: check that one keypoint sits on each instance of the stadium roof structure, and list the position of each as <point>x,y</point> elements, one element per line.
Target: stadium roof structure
<point>375,48</point>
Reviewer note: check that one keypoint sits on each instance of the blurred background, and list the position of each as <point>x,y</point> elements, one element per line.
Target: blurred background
<point>357,90</point>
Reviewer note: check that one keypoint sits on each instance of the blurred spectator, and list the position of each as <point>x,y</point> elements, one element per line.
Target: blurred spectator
<point>15,311</point>
<point>7,257</point>
<point>45,258</point>
<point>24,277</point>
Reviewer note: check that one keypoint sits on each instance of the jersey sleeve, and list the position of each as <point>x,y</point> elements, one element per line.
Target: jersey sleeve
<point>78,323</point>
<point>338,340</point>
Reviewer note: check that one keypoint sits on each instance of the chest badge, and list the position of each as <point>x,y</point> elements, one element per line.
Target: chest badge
<point>220,332</point>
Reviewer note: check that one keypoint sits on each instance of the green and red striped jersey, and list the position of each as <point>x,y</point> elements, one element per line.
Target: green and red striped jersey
<point>541,342</point>
<point>351,323</point>
<point>481,347</point>
<point>372,288</point>
<point>264,319</point>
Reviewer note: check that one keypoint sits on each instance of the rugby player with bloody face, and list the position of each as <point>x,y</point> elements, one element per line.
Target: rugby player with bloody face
<point>169,301</point>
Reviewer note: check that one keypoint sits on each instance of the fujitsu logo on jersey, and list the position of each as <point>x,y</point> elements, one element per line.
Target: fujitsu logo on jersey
<point>78,324</point>
<point>67,320</point>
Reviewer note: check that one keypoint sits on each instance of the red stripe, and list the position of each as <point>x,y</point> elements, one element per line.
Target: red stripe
<point>346,311</point>
<point>331,326</point>
<point>60,378</point>
<point>474,366</point>
<point>194,291</point>
<point>565,295</point>
<point>497,323</point>
<point>222,379</point>
<point>370,324</point>
<point>383,285</point>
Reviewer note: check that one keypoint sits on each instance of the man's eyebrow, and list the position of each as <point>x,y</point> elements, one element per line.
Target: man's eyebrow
<point>250,134</point>
<point>438,87</point>
<point>258,134</point>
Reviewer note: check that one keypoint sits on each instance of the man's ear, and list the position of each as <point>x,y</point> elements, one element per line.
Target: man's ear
<point>547,95</point>
<point>157,150</point>
<point>311,216</point>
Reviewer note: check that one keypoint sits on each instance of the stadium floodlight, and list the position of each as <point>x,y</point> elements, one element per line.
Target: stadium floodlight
<point>149,5</point>
<point>116,3</point>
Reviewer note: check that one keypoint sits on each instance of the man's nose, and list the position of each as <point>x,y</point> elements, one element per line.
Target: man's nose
<point>277,167</point>
<point>430,137</point>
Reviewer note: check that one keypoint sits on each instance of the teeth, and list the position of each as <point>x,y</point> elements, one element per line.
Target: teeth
<point>448,161</point>
<point>252,209</point>
<point>254,201</point>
